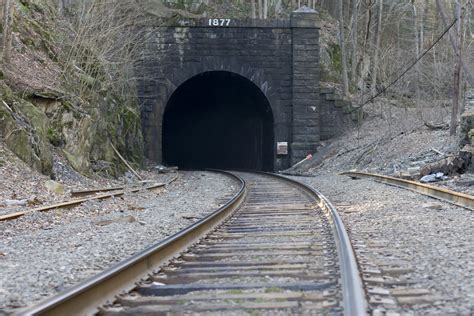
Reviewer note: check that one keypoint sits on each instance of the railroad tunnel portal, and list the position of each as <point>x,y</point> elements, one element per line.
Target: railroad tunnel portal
<point>218,119</point>
<point>236,94</point>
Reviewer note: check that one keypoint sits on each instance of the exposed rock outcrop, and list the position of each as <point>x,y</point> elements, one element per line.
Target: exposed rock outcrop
<point>40,114</point>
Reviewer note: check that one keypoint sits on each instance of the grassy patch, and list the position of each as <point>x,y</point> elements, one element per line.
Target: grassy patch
<point>234,292</point>
<point>334,52</point>
<point>273,290</point>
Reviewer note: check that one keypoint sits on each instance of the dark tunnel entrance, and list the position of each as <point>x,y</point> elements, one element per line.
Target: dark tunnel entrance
<point>220,120</point>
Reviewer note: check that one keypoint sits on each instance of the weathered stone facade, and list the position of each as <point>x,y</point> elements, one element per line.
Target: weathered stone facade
<point>280,57</point>
<point>335,114</point>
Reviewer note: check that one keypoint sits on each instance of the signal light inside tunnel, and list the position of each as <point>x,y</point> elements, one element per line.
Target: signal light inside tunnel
<point>219,120</point>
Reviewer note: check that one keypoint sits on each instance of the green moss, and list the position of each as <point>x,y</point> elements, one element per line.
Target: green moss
<point>37,118</point>
<point>23,7</point>
<point>235,292</point>
<point>6,93</point>
<point>334,52</point>
<point>54,137</point>
<point>28,141</point>
<point>18,142</point>
<point>120,124</point>
<point>273,290</point>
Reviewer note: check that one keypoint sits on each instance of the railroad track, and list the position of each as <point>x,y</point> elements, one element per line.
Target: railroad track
<point>277,246</point>
<point>453,197</point>
<point>115,192</point>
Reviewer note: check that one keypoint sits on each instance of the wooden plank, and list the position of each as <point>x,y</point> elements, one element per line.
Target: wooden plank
<point>15,215</point>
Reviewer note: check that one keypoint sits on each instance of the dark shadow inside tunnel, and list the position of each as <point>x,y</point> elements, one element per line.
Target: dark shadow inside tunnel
<point>220,120</point>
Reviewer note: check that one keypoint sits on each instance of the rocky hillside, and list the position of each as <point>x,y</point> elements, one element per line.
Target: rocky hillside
<point>51,103</point>
<point>60,94</point>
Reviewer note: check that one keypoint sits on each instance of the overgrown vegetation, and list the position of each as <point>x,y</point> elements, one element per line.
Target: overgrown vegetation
<point>71,71</point>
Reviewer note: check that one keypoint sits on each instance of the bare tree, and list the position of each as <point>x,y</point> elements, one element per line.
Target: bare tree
<point>342,44</point>
<point>60,7</point>
<point>7,31</point>
<point>417,66</point>
<point>375,61</point>
<point>363,62</point>
<point>354,37</point>
<point>457,73</point>
<point>454,42</point>
<point>99,50</point>
<point>253,11</point>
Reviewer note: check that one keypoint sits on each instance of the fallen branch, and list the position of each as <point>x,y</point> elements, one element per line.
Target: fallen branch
<point>438,152</point>
<point>126,163</point>
<point>365,153</point>
<point>438,126</point>
<point>8,107</point>
<point>449,165</point>
<point>11,133</point>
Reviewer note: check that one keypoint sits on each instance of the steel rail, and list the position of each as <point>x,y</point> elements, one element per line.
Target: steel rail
<point>142,185</point>
<point>446,195</point>
<point>353,292</point>
<point>74,202</point>
<point>94,191</point>
<point>87,296</point>
<point>84,298</point>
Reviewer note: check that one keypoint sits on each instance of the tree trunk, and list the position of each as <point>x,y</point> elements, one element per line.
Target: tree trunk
<point>253,11</point>
<point>354,34</point>
<point>454,42</point>
<point>60,7</point>
<point>260,9</point>
<point>461,48</point>
<point>422,25</point>
<point>342,44</point>
<point>364,63</point>
<point>7,31</point>
<point>375,62</point>
<point>265,9</point>
<point>277,8</point>
<point>457,75</point>
<point>417,66</point>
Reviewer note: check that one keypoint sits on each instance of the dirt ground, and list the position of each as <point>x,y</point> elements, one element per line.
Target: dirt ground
<point>23,187</point>
<point>391,137</point>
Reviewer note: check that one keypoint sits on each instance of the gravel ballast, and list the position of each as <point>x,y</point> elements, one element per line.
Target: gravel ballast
<point>43,253</point>
<point>434,238</point>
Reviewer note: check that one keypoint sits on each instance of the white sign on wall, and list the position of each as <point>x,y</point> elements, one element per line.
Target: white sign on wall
<point>282,148</point>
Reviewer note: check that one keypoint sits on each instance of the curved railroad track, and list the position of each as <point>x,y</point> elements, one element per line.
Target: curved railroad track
<point>453,197</point>
<point>277,246</point>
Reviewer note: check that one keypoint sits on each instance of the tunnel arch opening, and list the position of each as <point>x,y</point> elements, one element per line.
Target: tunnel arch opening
<point>218,119</point>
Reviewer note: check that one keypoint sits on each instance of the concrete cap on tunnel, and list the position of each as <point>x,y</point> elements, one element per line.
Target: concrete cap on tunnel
<point>305,17</point>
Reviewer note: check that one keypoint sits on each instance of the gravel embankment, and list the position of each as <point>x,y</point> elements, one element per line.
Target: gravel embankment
<point>43,253</point>
<point>433,238</point>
